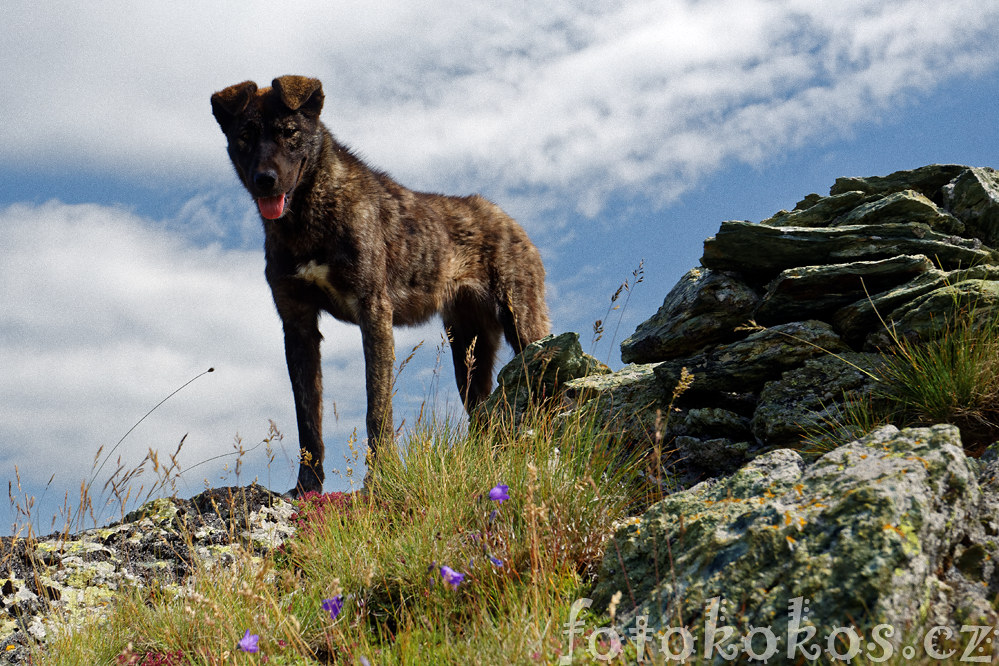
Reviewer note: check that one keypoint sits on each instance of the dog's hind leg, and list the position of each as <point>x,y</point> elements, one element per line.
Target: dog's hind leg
<point>474,334</point>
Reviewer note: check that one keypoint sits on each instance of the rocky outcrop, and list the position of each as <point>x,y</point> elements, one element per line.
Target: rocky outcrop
<point>73,576</point>
<point>785,317</point>
<point>895,529</point>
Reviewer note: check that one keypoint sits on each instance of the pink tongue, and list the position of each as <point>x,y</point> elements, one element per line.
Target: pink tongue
<point>271,207</point>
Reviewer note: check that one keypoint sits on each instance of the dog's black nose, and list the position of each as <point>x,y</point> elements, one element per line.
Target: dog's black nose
<point>264,180</point>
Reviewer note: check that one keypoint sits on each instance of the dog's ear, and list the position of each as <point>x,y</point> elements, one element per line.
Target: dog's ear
<point>229,103</point>
<point>300,93</point>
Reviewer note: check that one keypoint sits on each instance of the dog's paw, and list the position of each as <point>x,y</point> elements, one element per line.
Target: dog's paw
<point>299,490</point>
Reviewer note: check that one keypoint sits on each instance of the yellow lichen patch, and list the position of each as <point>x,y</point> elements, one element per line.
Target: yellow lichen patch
<point>910,543</point>
<point>892,528</point>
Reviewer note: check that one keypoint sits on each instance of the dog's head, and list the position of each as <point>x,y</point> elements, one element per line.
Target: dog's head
<point>273,133</point>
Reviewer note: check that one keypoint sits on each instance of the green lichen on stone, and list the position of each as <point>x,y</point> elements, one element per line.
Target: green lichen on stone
<point>536,376</point>
<point>65,581</point>
<point>862,533</point>
<point>159,511</point>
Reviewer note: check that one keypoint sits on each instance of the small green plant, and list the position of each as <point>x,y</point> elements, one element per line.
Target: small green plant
<point>952,377</point>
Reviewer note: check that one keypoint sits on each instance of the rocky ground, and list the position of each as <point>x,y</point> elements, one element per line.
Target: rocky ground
<point>73,576</point>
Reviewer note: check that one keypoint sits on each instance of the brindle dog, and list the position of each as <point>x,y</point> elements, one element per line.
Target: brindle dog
<point>343,238</point>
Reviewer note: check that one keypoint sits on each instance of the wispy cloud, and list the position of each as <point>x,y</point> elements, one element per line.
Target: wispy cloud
<point>583,100</point>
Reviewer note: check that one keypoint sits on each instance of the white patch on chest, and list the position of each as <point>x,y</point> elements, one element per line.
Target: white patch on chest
<point>319,275</point>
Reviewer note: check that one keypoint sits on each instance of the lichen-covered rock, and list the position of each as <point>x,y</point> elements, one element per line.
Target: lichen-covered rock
<point>704,308</point>
<point>745,365</point>
<point>899,527</point>
<point>716,422</point>
<point>699,458</point>
<point>973,197</point>
<point>810,397</point>
<point>928,180</point>
<point>900,208</point>
<point>74,576</point>
<point>816,211</point>
<point>890,529</point>
<point>859,319</point>
<point>763,251</point>
<point>933,313</point>
<point>631,401</point>
<point>869,314</point>
<point>702,442</point>
<point>815,292</point>
<point>536,375</point>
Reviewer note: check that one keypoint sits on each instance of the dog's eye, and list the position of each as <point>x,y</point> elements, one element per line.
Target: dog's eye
<point>245,137</point>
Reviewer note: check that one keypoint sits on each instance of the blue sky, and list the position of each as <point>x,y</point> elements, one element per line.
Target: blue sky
<point>132,258</point>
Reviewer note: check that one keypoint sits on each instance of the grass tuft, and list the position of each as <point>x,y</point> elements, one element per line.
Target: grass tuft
<point>953,377</point>
<point>467,547</point>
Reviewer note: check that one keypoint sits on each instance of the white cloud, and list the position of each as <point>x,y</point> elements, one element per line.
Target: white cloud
<point>586,100</point>
<point>104,315</point>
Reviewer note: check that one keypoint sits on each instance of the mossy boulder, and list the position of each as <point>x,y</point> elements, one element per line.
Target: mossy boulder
<point>537,376</point>
<point>873,532</point>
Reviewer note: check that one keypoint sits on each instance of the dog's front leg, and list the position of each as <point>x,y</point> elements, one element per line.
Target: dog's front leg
<point>379,357</point>
<point>301,348</point>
